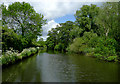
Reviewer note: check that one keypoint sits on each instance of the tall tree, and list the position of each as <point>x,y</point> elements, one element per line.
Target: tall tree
<point>23,19</point>
<point>108,19</point>
<point>85,18</point>
<point>52,39</point>
<point>64,32</point>
<point>60,36</point>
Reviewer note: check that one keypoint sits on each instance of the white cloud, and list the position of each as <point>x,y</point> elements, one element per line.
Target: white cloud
<point>47,27</point>
<point>52,10</point>
<point>51,24</point>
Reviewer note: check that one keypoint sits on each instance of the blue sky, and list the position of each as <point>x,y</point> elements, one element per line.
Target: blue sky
<point>65,18</point>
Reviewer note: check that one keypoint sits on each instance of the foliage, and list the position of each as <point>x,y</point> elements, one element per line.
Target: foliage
<point>40,43</point>
<point>12,56</point>
<point>10,39</point>
<point>77,46</point>
<point>107,20</point>
<point>85,18</point>
<point>23,19</point>
<point>82,44</point>
<point>95,31</point>
<point>106,47</point>
<point>99,47</point>
<point>21,26</point>
<point>75,32</point>
<point>59,46</point>
<point>112,58</point>
<point>59,36</point>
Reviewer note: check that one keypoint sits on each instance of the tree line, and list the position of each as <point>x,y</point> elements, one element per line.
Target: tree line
<point>95,32</point>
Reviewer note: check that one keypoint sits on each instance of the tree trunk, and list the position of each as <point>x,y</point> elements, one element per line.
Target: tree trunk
<point>107,32</point>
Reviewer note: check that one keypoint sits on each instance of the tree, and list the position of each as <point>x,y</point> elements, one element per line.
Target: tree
<point>64,32</point>
<point>108,19</point>
<point>59,37</point>
<point>85,18</point>
<point>81,44</point>
<point>52,39</point>
<point>23,19</point>
<point>11,39</point>
<point>108,22</point>
<point>75,32</point>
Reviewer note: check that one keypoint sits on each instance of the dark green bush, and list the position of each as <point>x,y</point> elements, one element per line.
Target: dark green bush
<point>59,47</point>
<point>105,47</point>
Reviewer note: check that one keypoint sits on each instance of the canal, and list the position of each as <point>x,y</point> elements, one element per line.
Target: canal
<point>59,67</point>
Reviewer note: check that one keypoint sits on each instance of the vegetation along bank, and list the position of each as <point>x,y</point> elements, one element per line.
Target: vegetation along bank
<point>11,56</point>
<point>95,32</point>
<point>19,32</point>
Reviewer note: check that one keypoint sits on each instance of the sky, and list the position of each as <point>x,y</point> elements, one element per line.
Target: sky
<point>56,11</point>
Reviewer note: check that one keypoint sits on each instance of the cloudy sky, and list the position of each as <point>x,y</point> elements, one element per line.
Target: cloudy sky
<point>56,11</point>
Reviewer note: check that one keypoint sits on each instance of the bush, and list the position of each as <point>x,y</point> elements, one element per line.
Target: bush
<point>11,56</point>
<point>106,48</point>
<point>112,58</point>
<point>83,44</point>
<point>77,46</point>
<point>98,56</point>
<point>59,47</point>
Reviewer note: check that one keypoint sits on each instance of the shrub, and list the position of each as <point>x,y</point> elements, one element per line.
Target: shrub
<point>77,46</point>
<point>11,55</point>
<point>112,58</point>
<point>84,44</point>
<point>59,46</point>
<point>98,56</point>
<point>106,48</point>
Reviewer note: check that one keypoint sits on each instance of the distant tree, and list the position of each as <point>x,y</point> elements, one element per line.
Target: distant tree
<point>64,32</point>
<point>60,37</point>
<point>52,39</point>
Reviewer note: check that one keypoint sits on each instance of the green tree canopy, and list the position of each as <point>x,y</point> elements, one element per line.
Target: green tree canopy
<point>60,36</point>
<point>107,20</point>
<point>85,18</point>
<point>23,19</point>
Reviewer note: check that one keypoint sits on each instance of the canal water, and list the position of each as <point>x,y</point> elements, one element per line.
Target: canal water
<point>58,67</point>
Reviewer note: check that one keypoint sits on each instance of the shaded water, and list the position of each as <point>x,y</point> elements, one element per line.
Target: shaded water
<point>51,67</point>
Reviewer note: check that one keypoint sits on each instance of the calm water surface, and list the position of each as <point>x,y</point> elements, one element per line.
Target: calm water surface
<point>51,67</point>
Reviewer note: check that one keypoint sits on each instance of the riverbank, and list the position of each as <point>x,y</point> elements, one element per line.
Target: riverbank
<point>12,56</point>
<point>100,57</point>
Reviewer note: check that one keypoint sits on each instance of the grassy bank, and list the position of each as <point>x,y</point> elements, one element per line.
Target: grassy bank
<point>11,56</point>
